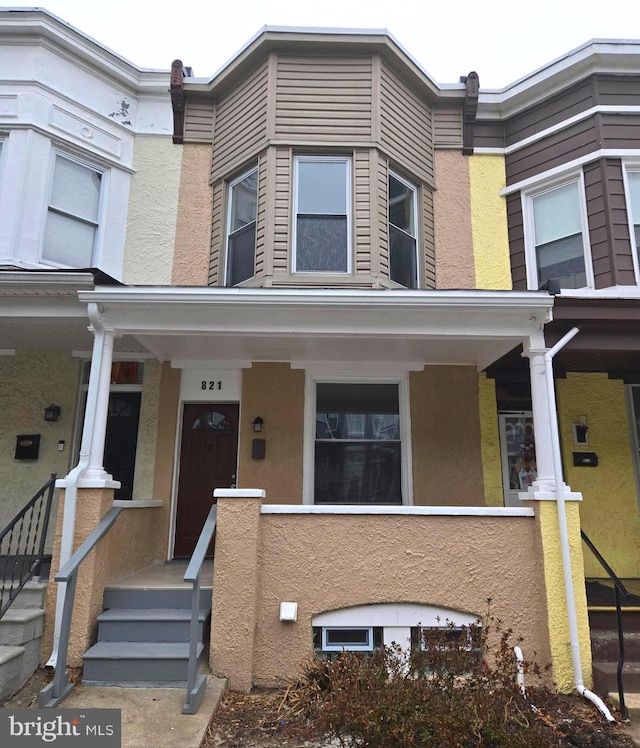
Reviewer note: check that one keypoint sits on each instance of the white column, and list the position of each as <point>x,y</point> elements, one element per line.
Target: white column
<point>95,422</point>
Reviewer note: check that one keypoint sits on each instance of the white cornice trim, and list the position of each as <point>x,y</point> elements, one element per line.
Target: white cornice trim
<point>46,281</point>
<point>613,292</point>
<point>432,511</point>
<point>524,184</point>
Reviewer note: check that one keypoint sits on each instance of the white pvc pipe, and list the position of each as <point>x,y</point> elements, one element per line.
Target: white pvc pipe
<point>520,670</point>
<point>564,534</point>
<point>74,476</point>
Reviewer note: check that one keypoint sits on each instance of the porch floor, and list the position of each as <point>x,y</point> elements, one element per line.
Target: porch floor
<point>167,576</point>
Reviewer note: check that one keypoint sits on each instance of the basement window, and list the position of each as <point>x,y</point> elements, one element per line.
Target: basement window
<point>331,639</point>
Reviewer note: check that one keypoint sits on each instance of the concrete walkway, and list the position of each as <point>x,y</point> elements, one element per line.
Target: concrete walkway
<point>152,717</point>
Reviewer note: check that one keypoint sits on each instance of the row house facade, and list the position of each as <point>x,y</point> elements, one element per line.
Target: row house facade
<point>332,297</point>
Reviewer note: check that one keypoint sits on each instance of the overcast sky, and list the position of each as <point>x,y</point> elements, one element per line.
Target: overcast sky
<point>501,39</point>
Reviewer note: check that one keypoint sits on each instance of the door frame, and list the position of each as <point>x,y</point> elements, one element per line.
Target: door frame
<point>176,461</point>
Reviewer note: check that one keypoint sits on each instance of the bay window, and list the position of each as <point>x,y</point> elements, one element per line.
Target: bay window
<point>241,228</point>
<point>402,208</point>
<point>633,202</point>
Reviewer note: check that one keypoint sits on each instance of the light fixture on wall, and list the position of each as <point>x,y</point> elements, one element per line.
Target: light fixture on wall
<point>52,413</point>
<point>258,423</point>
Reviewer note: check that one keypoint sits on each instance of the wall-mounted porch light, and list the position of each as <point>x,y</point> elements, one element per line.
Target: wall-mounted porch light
<point>258,423</point>
<point>52,413</point>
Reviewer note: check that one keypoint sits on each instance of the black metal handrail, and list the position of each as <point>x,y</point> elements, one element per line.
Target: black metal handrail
<point>620,589</point>
<point>196,691</point>
<point>22,544</point>
<point>60,687</point>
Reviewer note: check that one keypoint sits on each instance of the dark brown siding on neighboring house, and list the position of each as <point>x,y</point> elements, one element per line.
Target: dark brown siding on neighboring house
<point>516,242</point>
<point>551,112</point>
<point>488,134</point>
<point>559,148</point>
<point>198,121</point>
<point>608,228</point>
<point>618,90</point>
<point>323,98</point>
<point>405,126</point>
<point>619,130</point>
<point>240,127</point>
<point>447,127</point>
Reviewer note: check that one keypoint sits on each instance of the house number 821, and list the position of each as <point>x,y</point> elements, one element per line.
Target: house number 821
<point>211,385</point>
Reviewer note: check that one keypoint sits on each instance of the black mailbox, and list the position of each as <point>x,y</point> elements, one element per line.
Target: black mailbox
<point>27,446</point>
<point>585,459</point>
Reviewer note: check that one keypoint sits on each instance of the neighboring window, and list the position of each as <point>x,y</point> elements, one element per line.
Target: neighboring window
<point>72,218</point>
<point>559,236</point>
<point>241,228</point>
<point>357,444</point>
<point>403,232</point>
<point>321,215</point>
<point>633,182</point>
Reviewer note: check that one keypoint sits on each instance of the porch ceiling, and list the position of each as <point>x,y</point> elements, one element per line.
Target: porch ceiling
<point>389,327</point>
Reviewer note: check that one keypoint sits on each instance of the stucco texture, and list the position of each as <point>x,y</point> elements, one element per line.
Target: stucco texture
<point>489,222</point>
<point>445,426</point>
<point>29,382</point>
<point>168,404</point>
<point>453,232</point>
<point>609,509</point>
<point>193,230</point>
<point>147,432</point>
<point>275,392</point>
<point>328,562</point>
<point>490,442</point>
<point>153,210</point>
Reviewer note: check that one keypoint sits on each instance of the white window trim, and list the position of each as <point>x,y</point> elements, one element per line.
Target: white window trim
<point>104,188</point>
<point>346,647</point>
<point>414,190</point>
<point>631,166</point>
<point>230,185</point>
<point>527,197</point>
<point>308,449</point>
<point>294,239</point>
<point>633,437</point>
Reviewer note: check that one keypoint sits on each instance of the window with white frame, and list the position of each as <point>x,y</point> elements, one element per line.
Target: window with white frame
<point>73,214</point>
<point>241,227</point>
<point>633,201</point>
<point>403,231</point>
<point>358,449</point>
<point>321,223</point>
<point>558,245</point>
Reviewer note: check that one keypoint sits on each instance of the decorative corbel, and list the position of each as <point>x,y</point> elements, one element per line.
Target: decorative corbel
<point>469,111</point>
<point>177,100</point>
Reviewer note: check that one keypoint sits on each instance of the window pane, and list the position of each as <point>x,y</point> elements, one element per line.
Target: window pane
<point>379,426</point>
<point>557,214</point>
<point>634,197</point>
<point>241,255</point>
<point>357,473</point>
<point>244,199</point>
<point>76,189</point>
<point>322,187</point>
<point>402,258</point>
<point>343,397</point>
<point>401,206</point>
<point>563,260</point>
<point>321,244</point>
<point>68,241</point>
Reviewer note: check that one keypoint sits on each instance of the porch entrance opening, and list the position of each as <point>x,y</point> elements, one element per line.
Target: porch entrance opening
<point>208,457</point>
<point>121,440</point>
<point>518,454</point>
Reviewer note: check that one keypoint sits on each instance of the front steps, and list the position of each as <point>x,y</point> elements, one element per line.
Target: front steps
<point>20,634</point>
<point>143,637</point>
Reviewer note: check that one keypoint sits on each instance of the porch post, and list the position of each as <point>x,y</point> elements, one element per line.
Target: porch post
<point>235,585</point>
<point>547,515</point>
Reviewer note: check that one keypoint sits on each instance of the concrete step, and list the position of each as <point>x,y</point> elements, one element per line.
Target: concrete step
<point>31,595</point>
<point>631,700</point>
<point>604,617</point>
<point>149,624</point>
<point>605,677</point>
<point>138,663</point>
<point>17,665</point>
<point>119,597</point>
<point>21,625</point>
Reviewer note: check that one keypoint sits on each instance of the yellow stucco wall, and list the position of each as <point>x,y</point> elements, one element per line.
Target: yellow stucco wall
<point>490,441</point>
<point>609,508</point>
<point>153,211</point>
<point>489,222</point>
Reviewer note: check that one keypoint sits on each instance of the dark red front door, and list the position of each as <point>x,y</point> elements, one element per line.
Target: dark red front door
<point>208,458</point>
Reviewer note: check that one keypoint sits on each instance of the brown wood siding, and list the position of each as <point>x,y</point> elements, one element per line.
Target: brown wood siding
<point>620,130</point>
<point>516,242</point>
<point>283,208</point>
<point>618,90</point>
<point>447,127</point>
<point>382,182</point>
<point>406,126</point>
<point>488,134</point>
<point>362,212</point>
<point>428,238</point>
<point>240,123</point>
<point>217,233</point>
<point>198,121</point>
<point>323,98</point>
<point>550,112</point>
<point>261,215</point>
<point>608,227</point>
<point>559,148</point>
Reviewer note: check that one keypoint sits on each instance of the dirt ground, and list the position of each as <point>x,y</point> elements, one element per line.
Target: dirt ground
<point>256,721</point>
